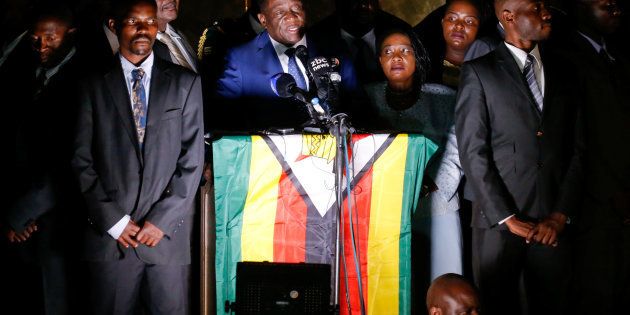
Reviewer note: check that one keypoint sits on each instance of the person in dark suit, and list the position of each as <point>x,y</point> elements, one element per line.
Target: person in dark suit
<point>516,125</point>
<point>138,155</point>
<point>180,51</point>
<point>249,68</point>
<point>603,224</point>
<point>43,199</point>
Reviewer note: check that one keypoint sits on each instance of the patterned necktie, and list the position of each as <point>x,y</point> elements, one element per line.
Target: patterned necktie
<point>528,71</point>
<point>180,59</point>
<point>294,70</point>
<point>139,100</point>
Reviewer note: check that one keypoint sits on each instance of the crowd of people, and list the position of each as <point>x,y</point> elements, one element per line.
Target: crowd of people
<point>528,195</point>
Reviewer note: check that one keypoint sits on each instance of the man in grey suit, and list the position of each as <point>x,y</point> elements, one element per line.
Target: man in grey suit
<point>181,52</point>
<point>516,130</point>
<point>138,156</point>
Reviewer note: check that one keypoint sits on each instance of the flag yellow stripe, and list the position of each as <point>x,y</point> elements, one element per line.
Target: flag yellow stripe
<point>259,212</point>
<point>383,240</point>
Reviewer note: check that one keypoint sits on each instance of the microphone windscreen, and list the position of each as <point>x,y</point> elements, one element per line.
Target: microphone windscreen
<point>282,83</point>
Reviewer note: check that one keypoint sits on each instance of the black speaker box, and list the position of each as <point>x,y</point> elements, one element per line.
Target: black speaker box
<point>282,288</point>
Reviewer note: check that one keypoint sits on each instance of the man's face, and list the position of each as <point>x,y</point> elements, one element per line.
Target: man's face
<point>460,25</point>
<point>284,20</point>
<point>531,19</point>
<point>603,15</point>
<point>51,40</point>
<point>167,10</point>
<point>137,31</point>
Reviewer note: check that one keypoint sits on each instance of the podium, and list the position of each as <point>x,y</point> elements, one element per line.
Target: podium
<point>275,201</point>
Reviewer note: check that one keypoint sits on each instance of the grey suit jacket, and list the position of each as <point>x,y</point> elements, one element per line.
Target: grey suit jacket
<point>517,159</point>
<point>157,184</point>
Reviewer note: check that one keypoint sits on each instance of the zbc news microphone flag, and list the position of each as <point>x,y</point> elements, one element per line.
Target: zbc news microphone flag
<point>275,201</point>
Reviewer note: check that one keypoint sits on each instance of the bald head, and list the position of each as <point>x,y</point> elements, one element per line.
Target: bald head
<point>526,22</point>
<point>452,294</point>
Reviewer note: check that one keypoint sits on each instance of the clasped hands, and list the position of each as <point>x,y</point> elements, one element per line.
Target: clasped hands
<point>22,236</point>
<point>544,232</point>
<point>149,235</point>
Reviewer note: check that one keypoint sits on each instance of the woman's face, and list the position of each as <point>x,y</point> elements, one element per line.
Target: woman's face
<point>460,25</point>
<point>398,60</point>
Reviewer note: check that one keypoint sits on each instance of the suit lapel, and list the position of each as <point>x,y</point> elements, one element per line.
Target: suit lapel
<point>117,87</point>
<point>160,83</point>
<point>507,62</point>
<point>267,52</point>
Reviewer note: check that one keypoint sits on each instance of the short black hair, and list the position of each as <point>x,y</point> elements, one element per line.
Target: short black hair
<point>120,8</point>
<point>420,53</point>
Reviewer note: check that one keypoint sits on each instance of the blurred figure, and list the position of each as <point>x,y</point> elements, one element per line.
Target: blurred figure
<point>603,227</point>
<point>452,294</point>
<point>44,203</point>
<point>352,30</point>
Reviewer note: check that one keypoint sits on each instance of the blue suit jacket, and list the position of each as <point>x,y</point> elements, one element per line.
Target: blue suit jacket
<point>248,70</point>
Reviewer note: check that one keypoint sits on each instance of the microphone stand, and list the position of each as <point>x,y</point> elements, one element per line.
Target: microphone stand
<point>338,127</point>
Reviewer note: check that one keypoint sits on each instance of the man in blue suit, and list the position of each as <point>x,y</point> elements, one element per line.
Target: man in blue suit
<point>250,67</point>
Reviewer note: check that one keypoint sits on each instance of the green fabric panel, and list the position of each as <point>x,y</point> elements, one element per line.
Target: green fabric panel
<point>232,157</point>
<point>419,151</point>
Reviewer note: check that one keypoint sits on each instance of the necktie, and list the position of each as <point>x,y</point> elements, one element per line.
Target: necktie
<point>294,70</point>
<point>180,59</point>
<point>528,71</point>
<point>139,100</point>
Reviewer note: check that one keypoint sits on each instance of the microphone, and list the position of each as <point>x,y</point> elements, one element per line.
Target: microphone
<point>283,85</point>
<point>326,77</point>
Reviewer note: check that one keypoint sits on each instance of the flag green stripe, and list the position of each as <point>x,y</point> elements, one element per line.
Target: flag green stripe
<point>419,151</point>
<point>231,181</point>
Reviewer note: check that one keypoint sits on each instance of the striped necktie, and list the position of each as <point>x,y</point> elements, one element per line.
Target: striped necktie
<point>180,59</point>
<point>294,70</point>
<point>530,76</point>
<point>139,100</point>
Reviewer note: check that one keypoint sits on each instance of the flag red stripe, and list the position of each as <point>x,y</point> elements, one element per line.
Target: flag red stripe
<point>290,225</point>
<point>361,203</point>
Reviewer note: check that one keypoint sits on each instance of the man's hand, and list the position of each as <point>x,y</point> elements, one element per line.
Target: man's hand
<point>546,232</point>
<point>150,234</point>
<point>22,236</point>
<point>126,238</point>
<point>518,227</point>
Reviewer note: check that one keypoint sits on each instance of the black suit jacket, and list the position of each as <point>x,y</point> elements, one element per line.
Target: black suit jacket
<point>518,160</point>
<point>157,184</point>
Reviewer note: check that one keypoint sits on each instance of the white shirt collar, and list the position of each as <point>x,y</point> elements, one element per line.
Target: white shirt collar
<point>281,48</point>
<point>171,32</point>
<point>521,56</point>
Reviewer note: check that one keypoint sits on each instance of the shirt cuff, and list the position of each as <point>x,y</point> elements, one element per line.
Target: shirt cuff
<point>503,221</point>
<point>119,227</point>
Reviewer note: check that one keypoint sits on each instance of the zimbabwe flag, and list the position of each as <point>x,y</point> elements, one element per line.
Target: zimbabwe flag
<point>275,201</point>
